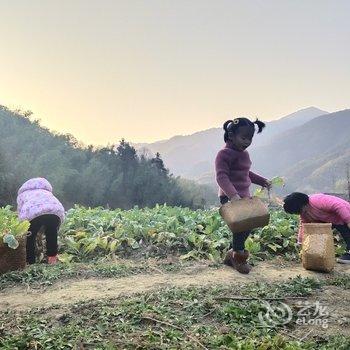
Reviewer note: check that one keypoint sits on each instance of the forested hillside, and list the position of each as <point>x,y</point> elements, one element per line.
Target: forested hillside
<point>113,176</point>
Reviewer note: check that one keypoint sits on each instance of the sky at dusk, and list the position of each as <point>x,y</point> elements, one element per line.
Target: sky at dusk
<point>149,70</point>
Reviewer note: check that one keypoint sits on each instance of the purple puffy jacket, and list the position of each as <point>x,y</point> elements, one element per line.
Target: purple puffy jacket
<point>35,198</point>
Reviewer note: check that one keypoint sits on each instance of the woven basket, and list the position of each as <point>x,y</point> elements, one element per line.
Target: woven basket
<point>245,214</point>
<point>13,259</point>
<point>318,252</point>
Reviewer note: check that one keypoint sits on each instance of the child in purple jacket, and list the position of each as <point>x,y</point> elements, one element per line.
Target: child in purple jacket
<point>234,178</point>
<point>37,204</point>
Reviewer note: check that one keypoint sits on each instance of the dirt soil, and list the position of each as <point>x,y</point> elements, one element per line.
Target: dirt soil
<point>73,291</point>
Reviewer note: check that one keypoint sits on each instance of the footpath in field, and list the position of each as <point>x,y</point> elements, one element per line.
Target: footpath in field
<point>74,291</point>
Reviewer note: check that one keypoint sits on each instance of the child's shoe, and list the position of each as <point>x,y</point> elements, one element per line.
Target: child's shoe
<point>52,260</point>
<point>238,260</point>
<point>229,258</point>
<point>345,258</point>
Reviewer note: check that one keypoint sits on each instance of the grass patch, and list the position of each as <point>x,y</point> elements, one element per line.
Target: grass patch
<point>190,318</point>
<point>41,275</point>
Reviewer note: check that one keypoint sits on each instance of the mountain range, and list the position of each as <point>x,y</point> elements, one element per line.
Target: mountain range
<point>310,148</point>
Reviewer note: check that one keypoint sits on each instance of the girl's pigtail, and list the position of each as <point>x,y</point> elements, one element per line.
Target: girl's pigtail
<point>261,125</point>
<point>226,124</point>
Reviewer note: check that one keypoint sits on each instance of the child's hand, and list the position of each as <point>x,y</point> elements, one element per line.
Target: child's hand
<point>267,184</point>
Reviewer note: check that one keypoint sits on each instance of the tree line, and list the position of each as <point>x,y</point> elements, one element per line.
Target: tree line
<point>114,176</point>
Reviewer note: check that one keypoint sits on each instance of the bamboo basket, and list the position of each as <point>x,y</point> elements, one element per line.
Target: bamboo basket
<point>318,253</point>
<point>13,259</point>
<point>245,214</point>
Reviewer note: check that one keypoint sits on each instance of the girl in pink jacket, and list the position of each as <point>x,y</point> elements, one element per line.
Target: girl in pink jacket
<point>37,204</point>
<point>321,208</point>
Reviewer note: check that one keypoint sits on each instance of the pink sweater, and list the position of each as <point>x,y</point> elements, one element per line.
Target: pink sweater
<point>324,208</point>
<point>233,173</point>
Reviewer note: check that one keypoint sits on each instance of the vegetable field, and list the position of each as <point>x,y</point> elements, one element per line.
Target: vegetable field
<point>92,233</point>
<point>153,279</point>
<point>200,234</point>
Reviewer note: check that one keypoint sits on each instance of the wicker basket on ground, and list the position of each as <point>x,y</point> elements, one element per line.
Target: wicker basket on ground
<point>13,259</point>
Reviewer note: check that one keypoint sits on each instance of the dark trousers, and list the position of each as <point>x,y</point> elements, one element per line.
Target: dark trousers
<point>238,239</point>
<point>50,223</point>
<point>344,231</point>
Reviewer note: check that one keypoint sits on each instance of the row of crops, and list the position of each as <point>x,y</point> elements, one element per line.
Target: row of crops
<point>158,232</point>
<point>163,230</point>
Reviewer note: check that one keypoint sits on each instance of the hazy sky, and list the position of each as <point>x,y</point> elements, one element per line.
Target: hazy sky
<point>147,70</point>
